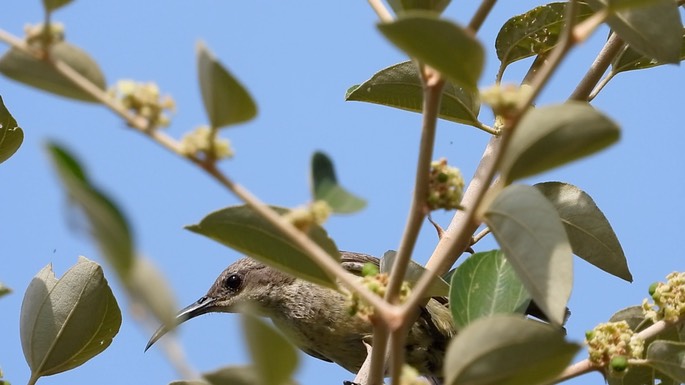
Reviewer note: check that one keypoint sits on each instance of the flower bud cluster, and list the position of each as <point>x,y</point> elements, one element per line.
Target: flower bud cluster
<point>203,140</point>
<point>445,186</point>
<point>38,37</point>
<point>378,284</point>
<point>144,100</point>
<point>669,299</point>
<point>315,213</point>
<point>411,376</point>
<point>612,344</point>
<point>505,99</point>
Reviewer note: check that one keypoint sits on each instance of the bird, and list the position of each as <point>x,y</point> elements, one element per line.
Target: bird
<point>317,319</point>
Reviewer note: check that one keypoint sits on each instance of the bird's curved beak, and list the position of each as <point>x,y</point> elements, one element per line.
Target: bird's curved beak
<point>201,306</point>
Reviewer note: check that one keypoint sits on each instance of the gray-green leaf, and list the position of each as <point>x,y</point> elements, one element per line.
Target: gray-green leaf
<point>242,229</point>
<point>399,86</point>
<point>107,224</point>
<point>441,44</point>
<point>485,284</point>
<point>629,59</point>
<point>237,375</point>
<point>26,69</point>
<point>51,5</point>
<point>326,187</point>
<point>273,357</point>
<point>551,136</point>
<point>66,322</point>
<point>668,357</point>
<point>226,101</point>
<point>507,349</point>
<point>400,6</point>
<point>437,288</point>
<point>11,135</point>
<point>588,230</point>
<point>529,230</point>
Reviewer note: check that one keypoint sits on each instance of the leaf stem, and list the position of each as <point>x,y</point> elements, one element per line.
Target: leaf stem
<point>34,378</point>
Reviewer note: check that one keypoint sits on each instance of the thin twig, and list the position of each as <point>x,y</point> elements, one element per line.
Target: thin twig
<point>481,14</point>
<point>611,48</point>
<point>398,339</point>
<point>383,14</point>
<point>377,359</point>
<point>476,238</point>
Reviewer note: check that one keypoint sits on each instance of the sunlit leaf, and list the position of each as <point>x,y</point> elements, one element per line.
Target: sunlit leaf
<point>485,284</point>
<point>326,187</point>
<point>148,286</point>
<point>67,321</point>
<point>588,230</point>
<point>274,357</point>
<point>507,349</point>
<point>548,137</point>
<point>51,5</point>
<point>399,86</point>
<point>437,288</point>
<point>400,6</point>
<point>11,135</point>
<point>242,229</point>
<point>107,224</point>
<point>629,59</point>
<point>236,375</point>
<point>226,101</point>
<point>26,69</point>
<point>534,32</point>
<point>668,357</point>
<point>441,44</point>
<point>529,231</point>
<point>636,26</point>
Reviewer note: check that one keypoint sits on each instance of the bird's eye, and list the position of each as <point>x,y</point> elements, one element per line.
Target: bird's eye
<point>233,282</point>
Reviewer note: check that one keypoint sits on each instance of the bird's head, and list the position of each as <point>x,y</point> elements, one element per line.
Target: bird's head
<point>244,283</point>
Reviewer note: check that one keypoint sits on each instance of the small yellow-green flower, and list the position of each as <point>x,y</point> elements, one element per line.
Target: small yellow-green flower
<point>669,299</point>
<point>445,186</point>
<point>611,344</point>
<point>305,216</point>
<point>38,37</point>
<point>505,99</point>
<point>200,141</point>
<point>378,284</point>
<point>144,100</point>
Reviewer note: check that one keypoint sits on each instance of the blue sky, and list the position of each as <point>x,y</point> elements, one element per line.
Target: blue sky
<point>297,60</point>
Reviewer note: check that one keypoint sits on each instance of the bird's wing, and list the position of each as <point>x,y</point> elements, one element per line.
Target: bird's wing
<point>315,354</point>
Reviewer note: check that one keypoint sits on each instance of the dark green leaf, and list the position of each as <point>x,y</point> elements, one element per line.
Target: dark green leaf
<point>51,5</point>
<point>399,86</point>
<point>534,32</point>
<point>660,40</point>
<point>400,6</point>
<point>507,349</point>
<point>669,358</point>
<point>66,322</point>
<point>588,230</point>
<point>485,284</point>
<point>237,375</point>
<point>107,224</point>
<point>326,187</point>
<point>438,288</point>
<point>41,74</point>
<point>11,135</point>
<point>441,44</point>
<point>226,101</point>
<point>4,290</point>
<point>551,136</point>
<point>529,230</point>
<point>629,59</point>
<point>242,229</point>
<point>274,358</point>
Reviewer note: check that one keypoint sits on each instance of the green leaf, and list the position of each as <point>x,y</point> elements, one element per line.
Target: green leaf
<point>507,349</point>
<point>237,375</point>
<point>107,224</point>
<point>548,137</point>
<point>437,288</point>
<point>399,86</point>
<point>400,6</point>
<point>529,230</point>
<point>147,286</point>
<point>241,228</point>
<point>588,230</point>
<point>226,101</point>
<point>629,59</point>
<point>326,187</point>
<point>485,284</point>
<point>66,322</point>
<point>534,32</point>
<point>41,74</point>
<point>656,40</point>
<point>668,357</point>
<point>441,44</point>
<point>189,382</point>
<point>51,5</point>
<point>274,358</point>
<point>4,290</point>
<point>11,135</point>
<point>634,316</point>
